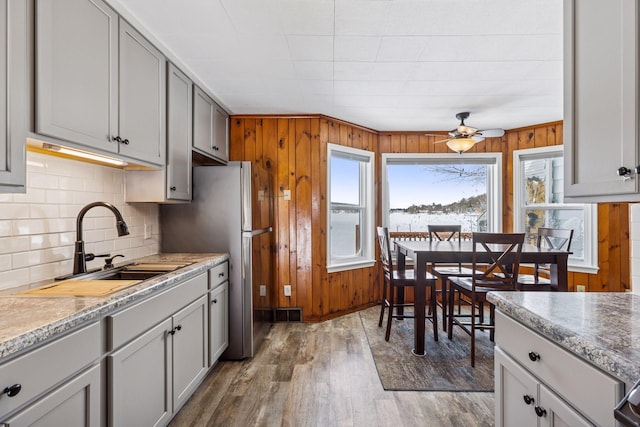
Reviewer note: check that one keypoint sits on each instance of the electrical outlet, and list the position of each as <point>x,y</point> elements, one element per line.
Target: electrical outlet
<point>580,288</point>
<point>287,194</point>
<point>287,290</point>
<point>263,291</point>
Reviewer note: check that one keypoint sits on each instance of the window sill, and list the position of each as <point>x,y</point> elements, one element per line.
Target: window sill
<point>583,269</point>
<point>350,266</point>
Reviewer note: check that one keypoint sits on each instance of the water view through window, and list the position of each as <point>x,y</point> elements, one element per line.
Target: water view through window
<point>423,194</point>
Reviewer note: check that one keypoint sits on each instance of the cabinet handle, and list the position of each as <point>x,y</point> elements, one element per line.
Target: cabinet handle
<point>540,412</point>
<point>172,188</point>
<point>220,274</point>
<point>12,390</point>
<point>528,399</point>
<point>172,332</point>
<point>534,356</point>
<point>215,301</point>
<point>125,141</point>
<point>179,327</point>
<point>117,139</point>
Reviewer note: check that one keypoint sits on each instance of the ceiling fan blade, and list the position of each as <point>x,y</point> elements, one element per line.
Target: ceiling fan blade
<point>435,134</point>
<point>491,133</point>
<point>477,138</point>
<point>442,140</point>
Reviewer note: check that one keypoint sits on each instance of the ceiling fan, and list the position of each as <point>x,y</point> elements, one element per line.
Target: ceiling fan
<point>464,137</point>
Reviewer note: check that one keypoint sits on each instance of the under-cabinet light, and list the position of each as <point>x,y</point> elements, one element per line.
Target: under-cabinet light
<point>72,152</point>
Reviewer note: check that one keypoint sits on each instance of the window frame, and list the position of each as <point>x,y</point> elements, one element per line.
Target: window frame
<point>366,257</point>
<point>590,210</point>
<point>494,178</point>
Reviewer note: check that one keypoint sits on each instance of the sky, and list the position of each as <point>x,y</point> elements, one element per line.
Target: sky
<point>408,184</point>
<point>421,184</point>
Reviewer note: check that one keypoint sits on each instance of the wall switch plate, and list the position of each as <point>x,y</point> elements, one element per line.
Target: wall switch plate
<point>287,194</point>
<point>287,290</point>
<point>263,291</point>
<point>581,288</point>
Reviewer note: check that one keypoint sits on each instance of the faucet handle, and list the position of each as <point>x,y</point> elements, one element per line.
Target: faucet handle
<point>91,257</point>
<point>108,263</point>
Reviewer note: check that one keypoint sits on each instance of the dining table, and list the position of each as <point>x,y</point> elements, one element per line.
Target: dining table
<point>425,252</point>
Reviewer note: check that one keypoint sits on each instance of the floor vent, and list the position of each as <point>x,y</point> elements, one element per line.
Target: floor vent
<point>288,314</point>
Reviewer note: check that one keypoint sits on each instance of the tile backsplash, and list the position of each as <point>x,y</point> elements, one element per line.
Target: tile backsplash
<point>634,236</point>
<point>38,229</point>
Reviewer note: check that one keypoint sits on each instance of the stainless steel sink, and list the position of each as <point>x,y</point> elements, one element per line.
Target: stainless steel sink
<point>105,282</point>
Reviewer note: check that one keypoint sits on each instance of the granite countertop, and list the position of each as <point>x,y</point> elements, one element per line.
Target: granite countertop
<point>27,320</point>
<point>601,328</point>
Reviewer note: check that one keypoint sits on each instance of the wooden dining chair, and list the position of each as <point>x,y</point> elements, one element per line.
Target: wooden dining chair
<point>393,280</point>
<point>551,238</point>
<point>497,257</point>
<point>449,233</point>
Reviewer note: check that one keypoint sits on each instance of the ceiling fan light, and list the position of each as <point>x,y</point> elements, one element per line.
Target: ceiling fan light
<point>460,145</point>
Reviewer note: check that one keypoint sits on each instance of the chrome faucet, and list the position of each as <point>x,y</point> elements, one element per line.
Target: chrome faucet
<point>79,257</point>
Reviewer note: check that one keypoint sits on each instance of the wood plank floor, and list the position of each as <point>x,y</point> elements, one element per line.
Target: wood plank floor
<point>321,374</point>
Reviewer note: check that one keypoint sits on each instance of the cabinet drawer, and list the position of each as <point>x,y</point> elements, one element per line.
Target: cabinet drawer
<point>588,389</point>
<point>131,322</point>
<point>41,369</point>
<point>218,274</point>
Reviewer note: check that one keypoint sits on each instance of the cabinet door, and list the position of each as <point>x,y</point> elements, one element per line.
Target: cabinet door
<point>557,413</point>
<point>221,133</point>
<point>190,347</point>
<point>601,97</point>
<point>13,92</point>
<point>77,71</point>
<point>514,388</point>
<point>140,374</point>
<point>203,121</point>
<point>218,321</point>
<point>76,403</point>
<point>142,113</point>
<point>179,123</point>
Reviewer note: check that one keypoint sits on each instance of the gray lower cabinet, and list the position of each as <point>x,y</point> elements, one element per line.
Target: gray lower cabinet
<point>55,386</point>
<point>13,93</point>
<point>218,321</point>
<point>99,83</point>
<point>539,383</point>
<point>210,127</point>
<point>153,375</point>
<point>601,50</point>
<point>76,403</point>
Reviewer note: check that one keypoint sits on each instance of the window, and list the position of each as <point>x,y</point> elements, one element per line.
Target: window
<point>538,193</point>
<point>350,243</point>
<point>423,189</point>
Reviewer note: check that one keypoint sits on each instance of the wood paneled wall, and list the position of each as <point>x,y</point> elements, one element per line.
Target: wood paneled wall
<point>294,150</point>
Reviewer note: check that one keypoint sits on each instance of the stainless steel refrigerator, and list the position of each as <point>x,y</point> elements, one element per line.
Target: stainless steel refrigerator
<point>231,211</point>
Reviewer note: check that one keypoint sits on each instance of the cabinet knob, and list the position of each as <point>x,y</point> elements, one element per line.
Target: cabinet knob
<point>534,356</point>
<point>172,332</point>
<point>12,390</point>
<point>125,141</point>
<point>117,139</point>
<point>540,412</point>
<point>179,327</point>
<point>221,274</point>
<point>528,399</point>
<point>215,301</point>
<point>173,188</point>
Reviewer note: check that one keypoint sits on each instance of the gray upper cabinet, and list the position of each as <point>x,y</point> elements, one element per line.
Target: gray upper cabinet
<point>77,72</point>
<point>179,122</point>
<point>98,82</point>
<point>142,97</point>
<point>210,127</point>
<point>601,99</point>
<point>13,93</point>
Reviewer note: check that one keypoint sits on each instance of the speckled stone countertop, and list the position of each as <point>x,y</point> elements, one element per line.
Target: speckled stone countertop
<point>601,328</point>
<point>28,320</point>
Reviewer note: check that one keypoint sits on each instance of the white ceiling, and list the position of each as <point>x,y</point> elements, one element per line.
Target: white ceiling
<point>385,64</point>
